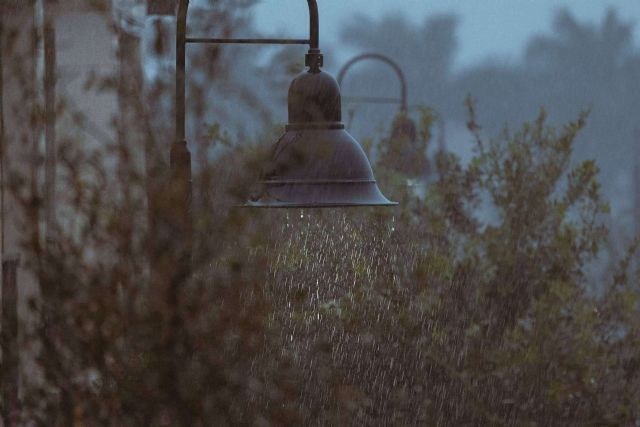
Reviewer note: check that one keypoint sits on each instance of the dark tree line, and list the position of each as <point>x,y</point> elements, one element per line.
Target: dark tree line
<point>578,67</point>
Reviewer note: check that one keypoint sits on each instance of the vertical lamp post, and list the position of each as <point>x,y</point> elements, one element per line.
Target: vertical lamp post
<point>636,181</point>
<point>316,163</point>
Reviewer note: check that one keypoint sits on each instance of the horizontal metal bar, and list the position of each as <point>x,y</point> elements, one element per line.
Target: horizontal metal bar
<point>246,41</point>
<point>358,100</point>
<point>319,181</point>
<point>372,99</point>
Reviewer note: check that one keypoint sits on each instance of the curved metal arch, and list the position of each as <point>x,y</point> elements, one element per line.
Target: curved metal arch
<point>181,43</point>
<point>383,58</point>
<point>314,27</point>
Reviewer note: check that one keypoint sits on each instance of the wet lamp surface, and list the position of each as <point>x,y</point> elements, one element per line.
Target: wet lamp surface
<point>316,163</point>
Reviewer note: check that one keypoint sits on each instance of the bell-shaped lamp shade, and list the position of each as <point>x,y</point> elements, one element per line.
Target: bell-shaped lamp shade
<point>316,163</point>
<point>404,128</point>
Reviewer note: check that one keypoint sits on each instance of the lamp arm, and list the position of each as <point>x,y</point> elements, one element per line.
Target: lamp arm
<point>314,31</point>
<point>314,25</point>
<point>313,58</point>
<point>383,58</point>
<point>181,59</point>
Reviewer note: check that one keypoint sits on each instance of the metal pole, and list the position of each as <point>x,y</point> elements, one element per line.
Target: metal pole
<point>636,182</point>
<point>176,214</point>
<point>180,159</point>
<point>181,37</point>
<point>34,211</point>
<point>2,140</point>
<point>314,25</point>
<point>210,40</point>
<point>50,126</point>
<point>10,358</point>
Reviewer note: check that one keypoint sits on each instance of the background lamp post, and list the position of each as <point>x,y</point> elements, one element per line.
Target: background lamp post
<point>403,127</point>
<point>410,159</point>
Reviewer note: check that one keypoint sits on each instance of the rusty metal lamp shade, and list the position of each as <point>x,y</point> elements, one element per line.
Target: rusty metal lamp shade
<point>316,163</point>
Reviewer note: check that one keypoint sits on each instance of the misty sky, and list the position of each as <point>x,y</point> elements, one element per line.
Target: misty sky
<point>486,28</point>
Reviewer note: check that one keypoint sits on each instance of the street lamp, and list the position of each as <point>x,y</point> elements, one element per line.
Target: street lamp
<point>316,163</point>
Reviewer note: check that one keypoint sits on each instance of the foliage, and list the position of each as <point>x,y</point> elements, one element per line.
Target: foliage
<point>470,306</point>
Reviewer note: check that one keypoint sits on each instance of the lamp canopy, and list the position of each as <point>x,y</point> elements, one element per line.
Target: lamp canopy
<point>316,163</point>
<point>404,128</point>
